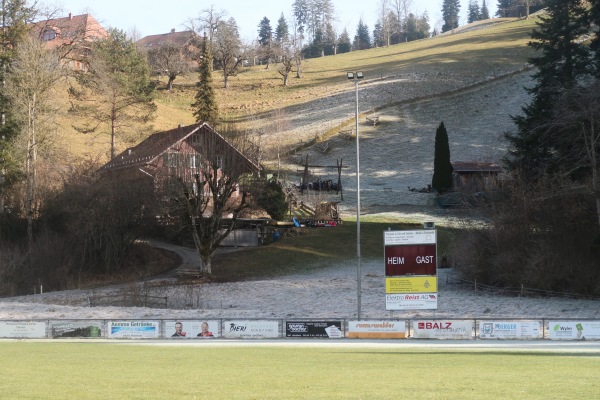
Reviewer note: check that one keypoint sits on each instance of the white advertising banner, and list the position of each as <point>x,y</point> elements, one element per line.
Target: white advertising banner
<point>133,329</point>
<point>409,237</point>
<point>574,330</point>
<point>412,301</point>
<point>509,329</point>
<point>442,329</point>
<point>191,329</point>
<point>376,329</point>
<point>23,329</point>
<point>251,329</point>
<point>72,329</point>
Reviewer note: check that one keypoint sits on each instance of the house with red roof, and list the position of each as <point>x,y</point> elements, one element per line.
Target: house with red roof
<point>73,36</point>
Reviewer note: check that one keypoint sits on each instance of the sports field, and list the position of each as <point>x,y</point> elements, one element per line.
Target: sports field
<point>101,370</point>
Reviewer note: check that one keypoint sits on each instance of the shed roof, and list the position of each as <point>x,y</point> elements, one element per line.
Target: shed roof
<point>475,166</point>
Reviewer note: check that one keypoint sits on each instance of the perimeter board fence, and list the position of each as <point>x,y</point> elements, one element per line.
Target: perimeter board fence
<point>234,328</point>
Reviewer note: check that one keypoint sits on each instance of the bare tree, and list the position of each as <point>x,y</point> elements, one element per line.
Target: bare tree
<point>169,59</point>
<point>228,51</point>
<point>576,121</point>
<point>34,73</point>
<point>386,23</point>
<point>203,197</point>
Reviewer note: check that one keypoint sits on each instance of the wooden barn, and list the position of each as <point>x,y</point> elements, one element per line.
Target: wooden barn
<point>181,153</point>
<point>474,177</point>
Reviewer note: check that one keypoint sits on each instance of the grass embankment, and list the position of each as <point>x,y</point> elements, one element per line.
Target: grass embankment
<point>302,249</point>
<point>100,371</point>
<point>466,57</point>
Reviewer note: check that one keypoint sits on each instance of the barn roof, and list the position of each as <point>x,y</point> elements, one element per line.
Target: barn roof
<point>475,166</point>
<point>157,144</point>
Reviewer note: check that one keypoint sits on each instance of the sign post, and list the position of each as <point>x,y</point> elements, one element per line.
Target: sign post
<point>410,270</point>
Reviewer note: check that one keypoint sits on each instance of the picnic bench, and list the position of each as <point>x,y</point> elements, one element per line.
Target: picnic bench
<point>347,134</point>
<point>188,273</point>
<point>373,120</point>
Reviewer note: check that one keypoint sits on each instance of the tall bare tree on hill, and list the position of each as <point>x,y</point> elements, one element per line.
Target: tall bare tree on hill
<point>34,73</point>
<point>116,92</point>
<point>228,51</point>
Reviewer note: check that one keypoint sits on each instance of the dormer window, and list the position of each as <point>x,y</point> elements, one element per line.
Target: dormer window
<point>48,35</point>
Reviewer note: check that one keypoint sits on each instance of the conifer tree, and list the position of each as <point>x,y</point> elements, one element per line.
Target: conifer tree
<point>561,60</point>
<point>282,31</point>
<point>474,14</point>
<point>484,12</point>
<point>442,168</point>
<point>450,11</point>
<point>362,40</point>
<point>595,45</point>
<point>205,104</point>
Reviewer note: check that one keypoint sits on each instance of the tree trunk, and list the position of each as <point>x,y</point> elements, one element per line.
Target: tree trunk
<point>31,159</point>
<point>170,82</point>
<point>113,132</point>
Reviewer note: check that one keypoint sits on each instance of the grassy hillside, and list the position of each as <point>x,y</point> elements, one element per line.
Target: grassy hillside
<point>422,68</point>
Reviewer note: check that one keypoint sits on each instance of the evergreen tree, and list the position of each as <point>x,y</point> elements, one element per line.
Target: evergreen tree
<point>484,12</point>
<point>362,40</point>
<point>411,28</point>
<point>595,45</point>
<point>272,199</point>
<point>378,39</point>
<point>265,32</point>
<point>282,32</point>
<point>266,48</point>
<point>561,60</point>
<point>473,9</point>
<point>300,10</point>
<point>344,44</point>
<point>503,8</point>
<point>205,104</point>
<point>450,11</point>
<point>330,40</point>
<point>442,168</point>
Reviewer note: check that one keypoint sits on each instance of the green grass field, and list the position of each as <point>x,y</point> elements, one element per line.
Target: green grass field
<point>88,370</point>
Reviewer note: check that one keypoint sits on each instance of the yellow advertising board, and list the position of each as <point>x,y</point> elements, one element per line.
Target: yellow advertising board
<point>411,284</point>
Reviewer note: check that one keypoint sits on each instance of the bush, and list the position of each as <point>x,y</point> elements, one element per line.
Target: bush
<point>542,237</point>
<point>272,199</point>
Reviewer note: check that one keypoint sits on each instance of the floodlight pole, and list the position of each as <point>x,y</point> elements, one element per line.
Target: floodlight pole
<point>356,77</point>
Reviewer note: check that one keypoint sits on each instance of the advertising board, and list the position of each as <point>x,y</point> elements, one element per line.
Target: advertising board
<point>418,259</point>
<point>73,329</point>
<point>251,329</point>
<point>442,329</point>
<point>320,329</point>
<point>376,329</point>
<point>574,330</point>
<point>417,301</point>
<point>509,329</point>
<point>133,329</point>
<point>411,284</point>
<point>425,236</point>
<point>191,329</point>
<point>23,329</point>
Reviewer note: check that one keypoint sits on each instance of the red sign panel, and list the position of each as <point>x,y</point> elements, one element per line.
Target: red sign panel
<point>410,260</point>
